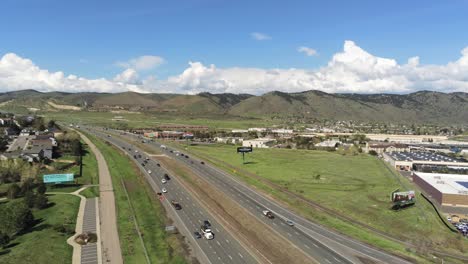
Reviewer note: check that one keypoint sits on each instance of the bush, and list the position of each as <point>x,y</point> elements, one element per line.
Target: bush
<point>4,240</point>
<point>15,216</point>
<point>13,191</point>
<point>372,152</point>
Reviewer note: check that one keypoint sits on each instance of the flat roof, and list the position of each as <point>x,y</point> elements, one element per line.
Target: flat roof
<point>422,156</point>
<point>446,183</point>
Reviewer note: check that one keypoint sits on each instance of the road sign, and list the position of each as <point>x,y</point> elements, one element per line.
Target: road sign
<point>58,178</point>
<point>244,149</point>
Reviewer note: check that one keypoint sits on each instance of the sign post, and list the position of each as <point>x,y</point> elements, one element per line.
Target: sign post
<point>244,150</point>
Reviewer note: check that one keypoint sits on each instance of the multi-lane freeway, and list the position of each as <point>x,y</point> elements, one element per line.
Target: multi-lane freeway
<point>223,248</point>
<point>320,243</point>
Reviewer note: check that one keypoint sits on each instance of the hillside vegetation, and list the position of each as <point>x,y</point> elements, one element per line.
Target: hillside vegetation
<point>419,107</point>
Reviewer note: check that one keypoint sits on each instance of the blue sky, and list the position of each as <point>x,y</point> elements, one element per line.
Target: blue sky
<point>87,38</point>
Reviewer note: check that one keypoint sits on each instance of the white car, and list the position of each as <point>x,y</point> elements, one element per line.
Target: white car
<point>164,190</point>
<point>163,181</point>
<point>149,172</point>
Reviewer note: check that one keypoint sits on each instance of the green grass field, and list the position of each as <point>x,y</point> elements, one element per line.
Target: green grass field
<point>146,120</point>
<point>356,186</point>
<point>149,213</point>
<point>43,244</point>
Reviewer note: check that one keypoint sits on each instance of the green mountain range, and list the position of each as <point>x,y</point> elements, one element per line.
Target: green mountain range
<point>423,106</point>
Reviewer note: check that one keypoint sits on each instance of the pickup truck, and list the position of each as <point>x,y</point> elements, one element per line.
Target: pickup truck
<point>268,214</point>
<point>206,231</point>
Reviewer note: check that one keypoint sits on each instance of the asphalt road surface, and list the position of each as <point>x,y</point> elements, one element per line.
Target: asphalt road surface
<point>324,245</point>
<point>223,248</point>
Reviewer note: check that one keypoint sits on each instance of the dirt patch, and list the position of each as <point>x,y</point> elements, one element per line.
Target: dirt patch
<point>261,240</point>
<point>64,107</point>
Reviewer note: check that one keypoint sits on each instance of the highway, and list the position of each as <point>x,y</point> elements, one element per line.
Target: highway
<point>322,244</point>
<point>223,248</point>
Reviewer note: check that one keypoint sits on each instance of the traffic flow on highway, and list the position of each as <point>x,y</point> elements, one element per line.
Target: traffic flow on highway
<point>322,244</point>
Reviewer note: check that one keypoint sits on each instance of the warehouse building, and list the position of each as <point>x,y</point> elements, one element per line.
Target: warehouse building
<point>446,189</point>
<point>408,160</point>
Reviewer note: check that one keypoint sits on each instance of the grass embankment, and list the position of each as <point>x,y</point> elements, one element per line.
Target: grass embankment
<point>149,213</point>
<point>356,186</point>
<point>43,244</point>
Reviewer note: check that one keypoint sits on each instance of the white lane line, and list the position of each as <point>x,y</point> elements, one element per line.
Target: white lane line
<point>230,257</point>
<point>275,224</point>
<point>297,233</point>
<point>328,261</point>
<point>289,234</point>
<point>217,242</point>
<point>217,230</point>
<point>240,255</point>
<point>315,245</point>
<point>227,241</point>
<point>305,245</point>
<point>337,259</point>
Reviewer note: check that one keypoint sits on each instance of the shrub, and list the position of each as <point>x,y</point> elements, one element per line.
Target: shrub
<point>13,191</point>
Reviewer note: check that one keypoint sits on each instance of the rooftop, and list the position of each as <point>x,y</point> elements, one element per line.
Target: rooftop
<point>423,156</point>
<point>446,183</point>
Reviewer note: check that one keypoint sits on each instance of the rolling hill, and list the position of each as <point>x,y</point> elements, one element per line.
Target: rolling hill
<point>423,106</point>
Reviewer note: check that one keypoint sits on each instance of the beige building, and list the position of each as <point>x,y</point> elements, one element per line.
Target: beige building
<point>381,147</point>
<point>406,160</point>
<point>447,189</point>
<point>259,143</point>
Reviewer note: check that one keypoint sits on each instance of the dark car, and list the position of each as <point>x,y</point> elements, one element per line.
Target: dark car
<point>202,162</point>
<point>167,177</point>
<point>187,156</point>
<point>134,156</point>
<point>197,234</point>
<point>176,205</point>
<point>143,164</point>
<point>159,165</point>
<point>207,223</point>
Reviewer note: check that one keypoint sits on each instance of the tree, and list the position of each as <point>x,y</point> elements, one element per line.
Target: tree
<point>51,124</point>
<point>41,201</point>
<point>13,191</point>
<point>4,240</point>
<point>373,152</point>
<point>41,188</point>
<point>30,198</point>
<point>27,185</point>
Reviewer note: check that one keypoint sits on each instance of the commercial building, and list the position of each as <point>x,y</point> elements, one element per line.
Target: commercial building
<point>407,160</point>
<point>381,147</point>
<point>331,143</point>
<point>259,143</point>
<point>446,189</point>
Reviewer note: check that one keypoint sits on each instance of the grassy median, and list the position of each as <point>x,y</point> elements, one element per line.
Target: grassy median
<point>149,213</point>
<point>355,186</point>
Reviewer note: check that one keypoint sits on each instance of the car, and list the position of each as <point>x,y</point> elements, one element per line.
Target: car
<point>159,165</point>
<point>197,235</point>
<point>268,214</point>
<point>186,156</point>
<point>149,171</point>
<point>176,205</point>
<point>163,180</point>
<point>463,220</point>
<point>139,156</point>
<point>143,164</point>
<point>164,190</point>
<point>202,162</point>
<point>289,223</point>
<point>166,177</point>
<point>136,151</point>
<point>134,156</point>
<point>207,223</point>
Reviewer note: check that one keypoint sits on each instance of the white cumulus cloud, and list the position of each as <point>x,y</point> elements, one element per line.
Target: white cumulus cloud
<point>142,63</point>
<point>351,70</point>
<point>307,51</point>
<point>259,36</point>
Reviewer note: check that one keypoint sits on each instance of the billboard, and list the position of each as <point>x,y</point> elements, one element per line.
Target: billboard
<point>403,198</point>
<point>244,149</point>
<point>58,178</point>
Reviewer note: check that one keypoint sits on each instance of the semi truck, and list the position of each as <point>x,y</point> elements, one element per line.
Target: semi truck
<point>268,214</point>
